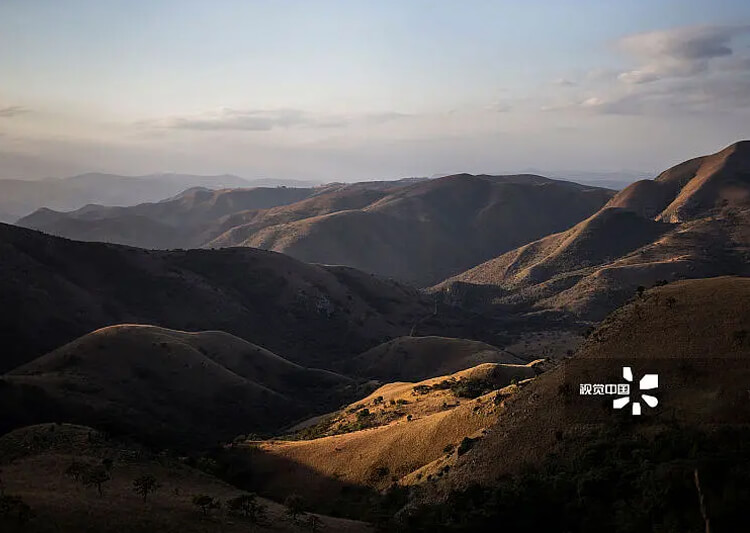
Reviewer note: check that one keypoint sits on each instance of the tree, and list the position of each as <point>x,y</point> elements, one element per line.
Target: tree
<point>206,503</point>
<point>76,469</point>
<point>145,485</point>
<point>248,506</point>
<point>95,476</point>
<point>314,523</point>
<point>295,507</point>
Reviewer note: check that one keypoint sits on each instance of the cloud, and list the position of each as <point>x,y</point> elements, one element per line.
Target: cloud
<point>564,82</point>
<point>678,71</point>
<point>679,52</point>
<point>266,120</point>
<point>12,111</point>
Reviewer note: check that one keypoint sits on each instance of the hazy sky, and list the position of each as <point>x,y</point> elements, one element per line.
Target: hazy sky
<point>368,89</point>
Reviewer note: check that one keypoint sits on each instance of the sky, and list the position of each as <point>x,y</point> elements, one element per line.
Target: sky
<point>357,90</point>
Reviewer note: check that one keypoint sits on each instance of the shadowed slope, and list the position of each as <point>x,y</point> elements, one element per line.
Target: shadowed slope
<point>692,221</point>
<point>41,454</point>
<point>55,290</point>
<point>407,233</point>
<point>705,320</point>
<point>165,385</point>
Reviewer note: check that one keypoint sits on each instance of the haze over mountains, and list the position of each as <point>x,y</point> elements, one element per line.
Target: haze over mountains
<point>19,198</point>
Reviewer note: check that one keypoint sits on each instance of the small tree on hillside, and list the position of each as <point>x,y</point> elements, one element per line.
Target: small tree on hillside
<point>76,470</point>
<point>206,503</point>
<point>314,524</point>
<point>295,507</point>
<point>145,485</point>
<point>95,476</point>
<point>248,506</point>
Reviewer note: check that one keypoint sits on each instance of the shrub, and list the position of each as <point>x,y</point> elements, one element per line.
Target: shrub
<point>206,503</point>
<point>295,507</point>
<point>466,444</point>
<point>248,506</point>
<point>95,477</point>
<point>145,485</point>
<point>76,469</point>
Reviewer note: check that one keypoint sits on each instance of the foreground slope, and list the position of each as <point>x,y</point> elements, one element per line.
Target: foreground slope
<point>34,461</point>
<point>400,430</point>
<point>705,321</point>
<point>429,230</point>
<point>54,290</point>
<point>170,386</point>
<point>692,221</point>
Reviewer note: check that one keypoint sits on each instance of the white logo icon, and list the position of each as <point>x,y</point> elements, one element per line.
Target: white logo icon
<point>647,383</point>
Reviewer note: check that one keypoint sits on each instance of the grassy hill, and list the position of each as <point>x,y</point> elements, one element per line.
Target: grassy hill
<point>177,222</point>
<point>399,229</point>
<point>415,358</point>
<point>55,290</point>
<point>550,440</point>
<point>395,432</point>
<point>61,503</point>
<point>692,221</point>
<point>166,386</point>
<point>405,234</point>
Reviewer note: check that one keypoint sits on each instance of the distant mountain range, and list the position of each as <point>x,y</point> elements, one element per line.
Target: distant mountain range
<point>414,230</point>
<point>19,198</point>
<point>692,221</point>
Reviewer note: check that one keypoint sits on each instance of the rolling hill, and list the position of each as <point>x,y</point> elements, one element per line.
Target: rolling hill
<point>397,431</point>
<point>55,290</point>
<point>160,385</point>
<point>416,358</point>
<point>177,222</point>
<point>694,333</point>
<point>34,461</point>
<point>400,229</point>
<point>19,198</point>
<point>429,230</point>
<point>692,221</point>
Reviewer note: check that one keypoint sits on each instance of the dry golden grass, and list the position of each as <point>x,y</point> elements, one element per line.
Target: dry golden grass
<point>680,321</point>
<point>429,426</point>
<point>416,358</point>
<point>61,504</point>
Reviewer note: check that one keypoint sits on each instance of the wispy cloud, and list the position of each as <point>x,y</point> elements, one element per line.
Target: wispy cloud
<point>680,52</point>
<point>13,111</point>
<point>681,70</point>
<point>266,120</point>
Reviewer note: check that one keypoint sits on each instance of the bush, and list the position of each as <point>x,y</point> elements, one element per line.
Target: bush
<point>466,444</point>
<point>206,503</point>
<point>295,507</point>
<point>248,506</point>
<point>145,485</point>
<point>471,388</point>
<point>95,477</point>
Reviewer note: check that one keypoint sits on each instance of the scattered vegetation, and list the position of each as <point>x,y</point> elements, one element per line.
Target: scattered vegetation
<point>616,481</point>
<point>248,506</point>
<point>206,504</point>
<point>145,485</point>
<point>295,507</point>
